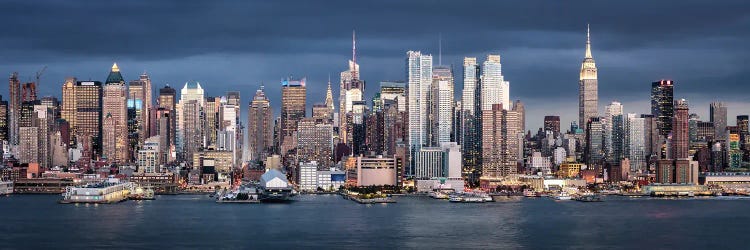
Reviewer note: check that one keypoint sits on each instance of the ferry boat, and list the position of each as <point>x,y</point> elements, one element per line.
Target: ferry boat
<point>455,198</point>
<point>563,196</point>
<point>6,187</point>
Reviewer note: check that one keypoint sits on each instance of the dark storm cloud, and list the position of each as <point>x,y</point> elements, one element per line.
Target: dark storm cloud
<point>238,44</point>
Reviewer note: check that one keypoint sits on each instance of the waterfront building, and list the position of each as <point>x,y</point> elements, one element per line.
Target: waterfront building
<point>308,176</point>
<point>588,93</point>
<point>220,162</point>
<point>260,126</point>
<point>377,171</point>
<point>662,105</point>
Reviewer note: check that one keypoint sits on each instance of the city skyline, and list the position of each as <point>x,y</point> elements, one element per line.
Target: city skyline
<point>662,50</point>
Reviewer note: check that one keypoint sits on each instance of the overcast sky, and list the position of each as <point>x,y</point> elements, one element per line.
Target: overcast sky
<point>237,45</point>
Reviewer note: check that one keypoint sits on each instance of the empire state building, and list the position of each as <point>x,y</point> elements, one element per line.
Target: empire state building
<point>588,93</point>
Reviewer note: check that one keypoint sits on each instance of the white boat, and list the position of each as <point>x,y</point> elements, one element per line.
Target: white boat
<point>563,196</point>
<point>529,193</point>
<point>456,198</point>
<point>438,195</point>
<point>6,187</point>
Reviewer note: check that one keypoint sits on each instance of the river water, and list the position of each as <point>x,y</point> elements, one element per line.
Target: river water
<point>330,222</point>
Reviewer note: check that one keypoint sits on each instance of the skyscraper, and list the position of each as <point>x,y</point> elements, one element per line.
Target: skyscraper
<point>680,129</point>
<point>419,75</point>
<point>441,102</point>
<point>494,88</point>
<point>472,120</point>
<point>718,113</point>
<point>190,118</point>
<point>552,124</point>
<point>14,108</point>
<point>588,93</point>
<point>351,89</point>
<point>68,110</point>
<point>293,108</point>
<point>211,125</point>
<point>3,119</point>
<point>635,142</point>
<point>260,126</point>
<point>315,141</point>
<point>609,130</point>
<point>167,107</point>
<point>88,116</point>
<point>115,118</point>
<point>594,142</point>
<point>500,129</point>
<point>662,105</point>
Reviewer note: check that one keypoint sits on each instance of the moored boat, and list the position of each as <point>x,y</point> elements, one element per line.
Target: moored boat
<point>563,196</point>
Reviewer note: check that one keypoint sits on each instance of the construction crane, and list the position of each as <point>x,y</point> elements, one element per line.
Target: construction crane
<point>39,74</point>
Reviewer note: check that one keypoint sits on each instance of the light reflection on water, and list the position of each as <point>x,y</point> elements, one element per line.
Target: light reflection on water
<point>327,221</point>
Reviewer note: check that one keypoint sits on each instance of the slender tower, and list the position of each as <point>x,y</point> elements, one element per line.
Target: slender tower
<point>588,95</point>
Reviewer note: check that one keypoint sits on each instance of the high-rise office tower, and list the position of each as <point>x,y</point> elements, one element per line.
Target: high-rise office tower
<point>351,89</point>
<point>718,113</point>
<point>494,88</point>
<point>662,105</point>
<point>260,126</point>
<point>329,101</point>
<point>588,92</point>
<point>52,103</point>
<point>419,75</point>
<point>211,125</point>
<point>136,121</point>
<point>394,91</point>
<point>471,123</point>
<point>651,136</point>
<point>115,118</point>
<point>680,137</point>
<point>293,108</point>
<point>594,143</point>
<point>618,135</point>
<point>3,119</point>
<point>441,105</point>
<point>552,124</point>
<point>610,111</point>
<point>167,101</point>
<point>375,129</point>
<point>521,109</point>
<point>358,133</point>
<point>68,110</point>
<point>742,126</point>
<point>635,142</point>
<point>190,118</point>
<point>88,116</point>
<point>14,108</point>
<point>500,130</point>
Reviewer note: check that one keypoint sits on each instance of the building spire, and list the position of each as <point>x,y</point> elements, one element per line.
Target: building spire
<point>440,49</point>
<point>588,42</point>
<point>354,47</point>
<point>115,68</point>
